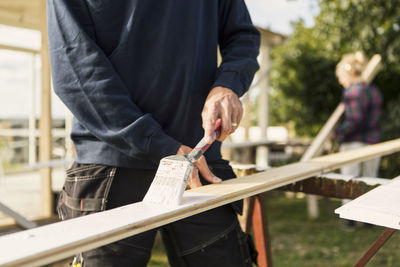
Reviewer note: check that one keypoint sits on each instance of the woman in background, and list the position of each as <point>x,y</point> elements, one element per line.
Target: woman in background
<point>360,126</point>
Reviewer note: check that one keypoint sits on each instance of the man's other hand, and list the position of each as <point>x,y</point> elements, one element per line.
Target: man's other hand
<point>199,166</point>
<point>221,103</point>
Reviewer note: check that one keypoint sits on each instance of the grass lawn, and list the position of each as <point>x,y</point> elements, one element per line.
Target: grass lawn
<point>299,241</point>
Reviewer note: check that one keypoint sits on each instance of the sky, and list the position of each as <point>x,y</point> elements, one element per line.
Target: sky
<point>16,68</point>
<point>276,15</point>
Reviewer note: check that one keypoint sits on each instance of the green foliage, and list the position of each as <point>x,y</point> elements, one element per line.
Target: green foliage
<point>299,241</point>
<point>304,89</point>
<point>303,76</point>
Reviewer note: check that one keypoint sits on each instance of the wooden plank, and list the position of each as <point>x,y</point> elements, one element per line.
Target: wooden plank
<point>261,232</point>
<point>262,152</point>
<point>45,139</point>
<point>20,13</point>
<point>25,132</point>
<point>323,135</point>
<point>19,49</point>
<point>19,19</point>
<point>379,206</point>
<point>31,5</point>
<point>374,65</point>
<point>20,220</point>
<point>57,241</point>
<point>261,142</point>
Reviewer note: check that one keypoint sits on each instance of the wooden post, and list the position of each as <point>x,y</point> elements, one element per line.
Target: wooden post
<point>375,247</point>
<point>69,145</point>
<point>261,232</point>
<point>246,123</point>
<point>45,119</point>
<point>32,114</point>
<point>262,151</point>
<point>315,150</point>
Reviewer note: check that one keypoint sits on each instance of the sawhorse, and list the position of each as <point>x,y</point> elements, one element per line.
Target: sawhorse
<point>331,185</point>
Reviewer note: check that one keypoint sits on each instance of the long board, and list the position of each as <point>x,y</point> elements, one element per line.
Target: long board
<point>60,240</point>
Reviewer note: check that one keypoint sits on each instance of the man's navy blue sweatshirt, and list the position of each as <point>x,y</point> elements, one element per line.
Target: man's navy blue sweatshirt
<point>136,73</point>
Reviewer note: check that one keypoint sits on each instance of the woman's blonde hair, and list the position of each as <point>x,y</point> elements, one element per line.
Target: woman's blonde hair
<point>354,63</point>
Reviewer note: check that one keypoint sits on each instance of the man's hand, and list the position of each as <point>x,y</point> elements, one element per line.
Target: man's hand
<point>221,103</point>
<point>199,166</point>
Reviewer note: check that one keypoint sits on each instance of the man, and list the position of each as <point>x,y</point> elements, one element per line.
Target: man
<point>141,78</point>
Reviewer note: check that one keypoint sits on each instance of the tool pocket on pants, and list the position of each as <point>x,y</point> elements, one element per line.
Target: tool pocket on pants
<point>85,190</point>
<point>228,248</point>
<point>223,170</point>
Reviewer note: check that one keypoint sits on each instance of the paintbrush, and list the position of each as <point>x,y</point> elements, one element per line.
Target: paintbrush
<point>173,173</point>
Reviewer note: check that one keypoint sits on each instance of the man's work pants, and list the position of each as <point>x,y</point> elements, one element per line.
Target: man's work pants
<point>212,238</point>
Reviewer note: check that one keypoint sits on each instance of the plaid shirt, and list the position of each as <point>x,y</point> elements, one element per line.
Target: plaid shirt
<point>362,111</point>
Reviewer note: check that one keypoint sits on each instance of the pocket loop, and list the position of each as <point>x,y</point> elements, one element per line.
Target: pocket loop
<point>82,204</point>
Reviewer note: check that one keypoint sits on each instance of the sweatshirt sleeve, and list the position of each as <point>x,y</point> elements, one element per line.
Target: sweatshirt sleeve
<point>86,81</point>
<point>355,109</point>
<point>239,42</point>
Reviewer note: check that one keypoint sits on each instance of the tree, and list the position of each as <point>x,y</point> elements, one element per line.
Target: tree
<point>303,77</point>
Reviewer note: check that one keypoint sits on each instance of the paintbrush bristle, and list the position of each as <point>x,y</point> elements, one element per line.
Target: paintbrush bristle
<point>170,181</point>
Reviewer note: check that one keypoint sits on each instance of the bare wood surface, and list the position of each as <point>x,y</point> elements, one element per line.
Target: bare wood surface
<point>262,142</point>
<point>45,244</point>
<point>261,232</point>
<point>19,19</point>
<point>374,65</point>
<point>323,135</point>
<point>45,139</point>
<point>19,49</point>
<point>20,13</point>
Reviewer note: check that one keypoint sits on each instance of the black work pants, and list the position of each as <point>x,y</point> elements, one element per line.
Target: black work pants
<point>211,238</point>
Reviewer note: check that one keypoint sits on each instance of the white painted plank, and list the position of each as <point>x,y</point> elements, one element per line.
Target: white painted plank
<point>380,206</point>
<point>58,240</point>
<point>49,243</point>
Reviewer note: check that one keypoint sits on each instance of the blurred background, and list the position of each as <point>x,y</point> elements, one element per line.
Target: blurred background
<point>292,96</point>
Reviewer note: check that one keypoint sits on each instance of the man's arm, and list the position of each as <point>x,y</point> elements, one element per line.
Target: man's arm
<point>239,43</point>
<point>88,84</point>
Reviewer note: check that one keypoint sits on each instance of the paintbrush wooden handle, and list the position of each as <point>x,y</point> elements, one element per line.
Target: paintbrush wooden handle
<point>202,146</point>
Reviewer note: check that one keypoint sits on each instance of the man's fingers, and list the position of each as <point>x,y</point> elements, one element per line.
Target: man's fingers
<point>221,103</point>
<point>206,172</point>
<point>236,117</point>
<point>209,119</point>
<point>194,179</point>
<point>226,125</point>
